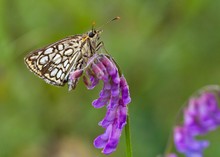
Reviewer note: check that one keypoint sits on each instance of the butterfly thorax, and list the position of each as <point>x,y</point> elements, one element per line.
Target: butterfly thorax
<point>90,40</point>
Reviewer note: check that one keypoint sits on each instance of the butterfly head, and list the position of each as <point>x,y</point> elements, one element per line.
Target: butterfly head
<point>94,34</point>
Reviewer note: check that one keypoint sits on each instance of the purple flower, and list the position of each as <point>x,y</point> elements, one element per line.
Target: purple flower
<point>74,78</point>
<point>200,116</point>
<point>185,143</point>
<point>114,94</point>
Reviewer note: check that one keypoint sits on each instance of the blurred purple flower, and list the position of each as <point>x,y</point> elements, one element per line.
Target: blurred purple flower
<point>114,94</point>
<point>200,116</point>
<point>185,142</point>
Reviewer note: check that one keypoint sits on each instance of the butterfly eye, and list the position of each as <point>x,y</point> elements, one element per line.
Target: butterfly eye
<point>92,33</point>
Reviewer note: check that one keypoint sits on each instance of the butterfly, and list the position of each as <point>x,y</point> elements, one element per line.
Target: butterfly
<point>55,62</point>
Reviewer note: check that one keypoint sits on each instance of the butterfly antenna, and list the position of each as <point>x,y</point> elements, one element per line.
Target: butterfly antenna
<point>116,18</point>
<point>93,25</point>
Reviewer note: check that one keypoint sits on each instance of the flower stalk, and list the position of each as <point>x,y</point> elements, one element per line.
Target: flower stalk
<point>128,138</point>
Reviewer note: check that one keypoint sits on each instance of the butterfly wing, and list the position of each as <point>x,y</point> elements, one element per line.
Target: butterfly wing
<point>53,63</point>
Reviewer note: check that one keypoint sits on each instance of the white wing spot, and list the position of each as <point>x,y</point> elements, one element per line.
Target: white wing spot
<point>53,73</point>
<point>68,52</point>
<point>48,51</point>
<point>60,47</point>
<point>65,63</point>
<point>33,57</point>
<point>67,66</point>
<point>59,73</point>
<point>62,76</point>
<point>44,60</point>
<point>57,59</point>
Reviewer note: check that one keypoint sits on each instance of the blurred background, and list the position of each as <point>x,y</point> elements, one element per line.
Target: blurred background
<point>166,49</point>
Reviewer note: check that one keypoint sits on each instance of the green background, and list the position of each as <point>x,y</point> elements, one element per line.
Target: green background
<point>166,49</point>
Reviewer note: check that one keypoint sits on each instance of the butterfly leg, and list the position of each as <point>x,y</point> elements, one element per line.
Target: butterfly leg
<point>102,47</point>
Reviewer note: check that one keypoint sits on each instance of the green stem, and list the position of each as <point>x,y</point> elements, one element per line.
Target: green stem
<point>128,138</point>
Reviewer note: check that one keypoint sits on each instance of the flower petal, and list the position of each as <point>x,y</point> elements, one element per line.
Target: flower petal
<point>101,141</point>
<point>185,143</point>
<point>113,141</point>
